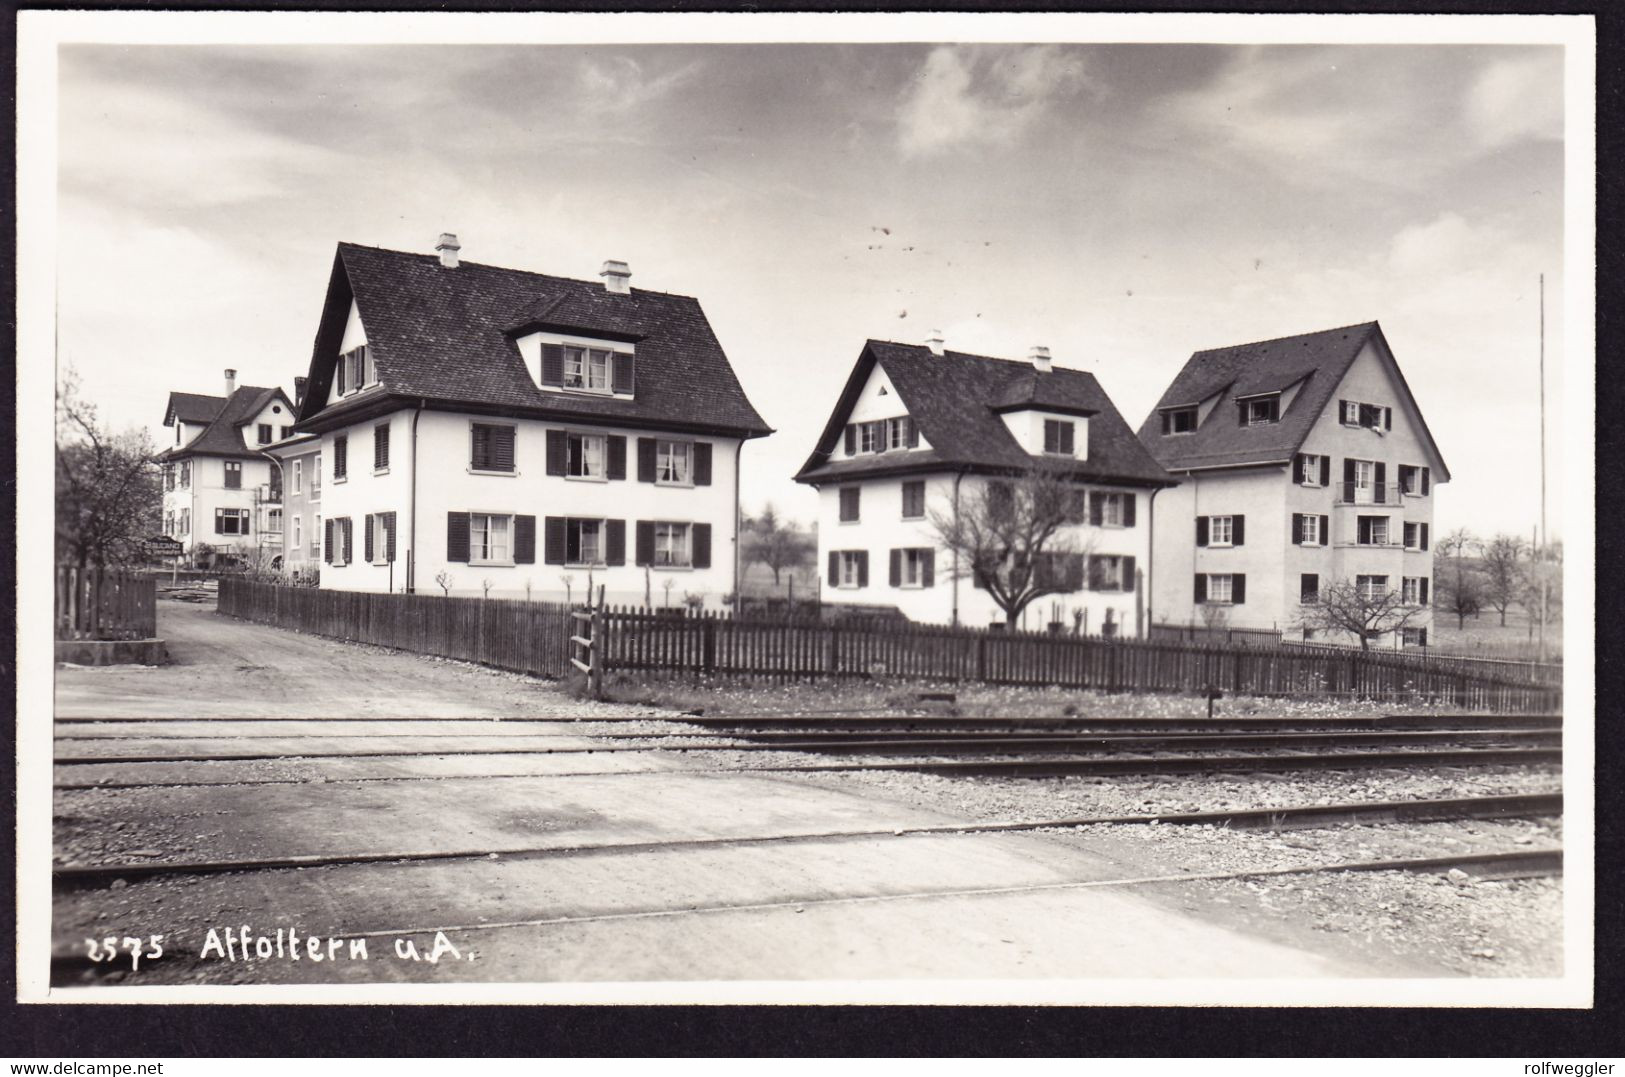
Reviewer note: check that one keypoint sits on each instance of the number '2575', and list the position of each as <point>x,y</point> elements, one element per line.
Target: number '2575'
<point>107,949</point>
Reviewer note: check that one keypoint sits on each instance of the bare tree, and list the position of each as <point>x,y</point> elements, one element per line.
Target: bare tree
<point>1503,571</point>
<point>775,542</point>
<point>1460,587</point>
<point>1345,606</point>
<point>108,496</point>
<point>1013,537</point>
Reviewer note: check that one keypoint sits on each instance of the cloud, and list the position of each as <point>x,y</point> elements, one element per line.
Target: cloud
<point>965,96</point>
<point>620,84</point>
<point>1518,98</point>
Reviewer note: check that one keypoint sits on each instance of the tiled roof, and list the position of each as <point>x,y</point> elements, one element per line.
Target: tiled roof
<point>446,335</point>
<point>224,434</point>
<point>192,408</point>
<point>953,397</point>
<point>1317,360</point>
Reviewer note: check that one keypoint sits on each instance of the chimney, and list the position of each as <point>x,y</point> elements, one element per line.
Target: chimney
<point>298,391</point>
<point>1040,358</point>
<point>447,248</point>
<point>617,277</point>
<point>231,381</point>
<point>935,342</point>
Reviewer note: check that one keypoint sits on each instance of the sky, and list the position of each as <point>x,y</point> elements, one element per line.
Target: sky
<point>1124,205</point>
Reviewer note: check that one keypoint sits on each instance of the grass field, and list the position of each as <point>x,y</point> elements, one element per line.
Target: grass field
<point>758,581</point>
<point>1484,635</point>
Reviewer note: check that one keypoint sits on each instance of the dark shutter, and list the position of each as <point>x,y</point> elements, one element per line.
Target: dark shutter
<point>1066,439</point>
<point>553,364</point>
<point>623,372</point>
<point>1238,588</point>
<point>1325,530</point>
<point>1297,529</point>
<point>614,542</point>
<point>502,448</point>
<point>850,503</point>
<point>327,540</point>
<point>342,365</point>
<point>1097,574</point>
<point>553,540</point>
<point>863,568</point>
<point>457,537</point>
<point>389,537</point>
<point>1380,495</point>
<point>524,540</point>
<point>1128,574</point>
<point>617,456</point>
<point>702,463</point>
<point>928,570</point>
<point>349,540</point>
<point>646,459</point>
<point>1241,413</point>
<point>1201,588</point>
<point>1130,500</point>
<point>1426,479</point>
<point>341,456</point>
<point>479,457</point>
<point>380,447</point>
<point>1300,468</point>
<point>1097,509</point>
<point>1325,471</point>
<point>557,450</point>
<point>834,568</point>
<point>702,545</point>
<point>851,439</point>
<point>913,433</point>
<point>643,552</point>
<point>1201,531</point>
<point>1422,588</point>
<point>1387,418</point>
<point>897,568</point>
<point>1424,536</point>
<point>1238,530</point>
<point>366,540</point>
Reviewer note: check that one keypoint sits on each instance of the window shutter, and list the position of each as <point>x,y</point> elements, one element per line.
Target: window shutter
<point>1297,529</point>
<point>557,450</point>
<point>863,568</point>
<point>1348,470</point>
<point>702,463</point>
<point>928,568</point>
<point>389,537</point>
<point>1422,587</point>
<point>553,364</point>
<point>341,456</point>
<point>1387,418</point>
<point>1201,588</point>
<point>1241,413</point>
<point>1097,509</point>
<point>380,447</point>
<point>1380,495</point>
<point>219,526</point>
<point>623,372</point>
<point>457,537</point>
<point>834,568</point>
<point>644,552</point>
<point>1129,501</point>
<point>615,542</point>
<point>617,456</point>
<point>1426,478</point>
<point>1201,533</point>
<point>1238,530</point>
<point>243,516</point>
<point>1425,529</point>
<point>479,457</point>
<point>913,433</point>
<point>502,448</point>
<point>897,568</point>
<point>342,364</point>
<point>524,540</point>
<point>366,540</point>
<point>1066,439</point>
<point>327,541</point>
<point>553,540</point>
<point>349,539</point>
<point>1238,588</point>
<point>1325,470</point>
<point>702,545</point>
<point>646,459</point>
<point>851,439</point>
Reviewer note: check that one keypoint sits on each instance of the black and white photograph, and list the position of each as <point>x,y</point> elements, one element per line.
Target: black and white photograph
<point>815,509</point>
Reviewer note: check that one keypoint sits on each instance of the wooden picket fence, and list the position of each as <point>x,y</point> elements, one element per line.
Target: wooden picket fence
<point>714,645</point>
<point>105,603</point>
<point>511,634</point>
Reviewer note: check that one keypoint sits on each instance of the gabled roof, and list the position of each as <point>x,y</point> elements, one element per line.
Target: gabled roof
<point>955,400</point>
<point>192,408</point>
<point>224,434</point>
<point>447,336</point>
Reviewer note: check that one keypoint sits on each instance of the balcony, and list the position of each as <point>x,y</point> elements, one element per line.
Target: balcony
<point>268,494</point>
<point>1385,494</point>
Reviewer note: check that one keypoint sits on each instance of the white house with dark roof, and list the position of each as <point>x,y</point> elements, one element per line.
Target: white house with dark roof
<point>487,427</point>
<point>221,492</point>
<point>1305,460</point>
<point>916,428</point>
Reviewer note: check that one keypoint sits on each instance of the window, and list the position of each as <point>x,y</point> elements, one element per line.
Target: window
<point>1349,412</point>
<point>587,368</point>
<point>287,432</point>
<point>1058,437</point>
<point>380,447</point>
<point>674,462</point>
<point>378,540</point>
<point>1372,588</point>
<point>1372,531</point>
<point>1365,475</point>
<point>900,433</point>
<point>231,521</point>
<point>851,568</point>
<point>1219,588</point>
<point>1219,530</point>
<point>186,474</point>
<point>1369,416</point>
<point>1179,421</point>
<point>849,504</point>
<point>341,457</point>
<point>316,535</point>
<point>1413,637</point>
<point>169,523</point>
<point>273,521</point>
<point>1410,590</point>
<point>264,433</point>
<point>169,476</point>
<point>1308,589</point>
<point>186,522</point>
<point>584,542</point>
<point>234,475</point>
<point>1416,536</point>
<point>869,437</point>
<point>1261,410</point>
<point>1307,527</point>
<point>1109,572</point>
<point>914,567</point>
<point>316,477</point>
<point>1311,470</point>
<point>341,540</point>
<point>298,543</point>
<point>914,500</point>
<point>584,456</point>
<point>298,476</point>
<point>355,370</point>
<point>1413,480</point>
<point>672,545</point>
<point>492,447</point>
<point>1111,511</point>
<point>488,539</point>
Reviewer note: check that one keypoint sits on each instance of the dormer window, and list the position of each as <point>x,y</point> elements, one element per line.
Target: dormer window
<point>1261,410</point>
<point>1178,421</point>
<point>587,368</point>
<point>1369,416</point>
<point>1058,437</point>
<point>355,370</point>
<point>882,435</point>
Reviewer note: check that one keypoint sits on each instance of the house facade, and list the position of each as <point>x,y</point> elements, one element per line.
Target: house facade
<point>483,430</point>
<point>222,494</point>
<point>921,433</point>
<point>1306,462</point>
<point>299,459</point>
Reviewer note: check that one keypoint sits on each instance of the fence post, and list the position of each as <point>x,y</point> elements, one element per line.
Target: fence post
<point>981,656</point>
<point>708,656</point>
